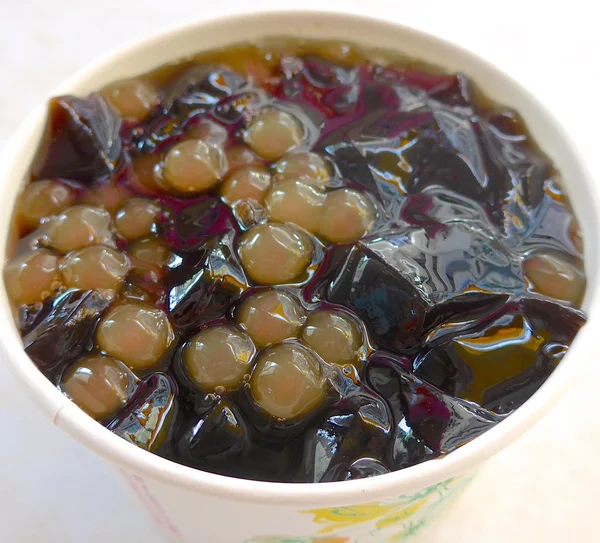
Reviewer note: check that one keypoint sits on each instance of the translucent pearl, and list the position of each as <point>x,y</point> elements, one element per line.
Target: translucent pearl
<point>194,166</point>
<point>309,168</point>
<point>209,132</point>
<point>109,196</point>
<point>246,183</point>
<point>132,99</point>
<point>95,267</point>
<point>32,276</point>
<point>78,227</point>
<point>288,382</point>
<point>218,356</point>
<point>555,277</point>
<point>100,385</point>
<point>137,218</point>
<point>42,199</point>
<point>334,336</point>
<point>136,333</point>
<point>270,316</point>
<point>347,216</point>
<point>295,202</point>
<point>272,133</point>
<point>274,253</point>
<point>241,155</point>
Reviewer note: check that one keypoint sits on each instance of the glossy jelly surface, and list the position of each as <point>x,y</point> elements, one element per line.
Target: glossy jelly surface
<point>294,261</point>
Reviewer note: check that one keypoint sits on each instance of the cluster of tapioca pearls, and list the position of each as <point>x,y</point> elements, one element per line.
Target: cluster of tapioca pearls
<point>132,337</point>
<point>292,190</point>
<point>202,161</point>
<point>75,244</point>
<point>277,351</point>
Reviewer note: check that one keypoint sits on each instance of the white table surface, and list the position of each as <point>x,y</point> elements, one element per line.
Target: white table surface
<point>544,488</point>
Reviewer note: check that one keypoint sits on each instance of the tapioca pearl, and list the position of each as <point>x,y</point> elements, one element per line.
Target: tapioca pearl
<point>246,183</point>
<point>78,227</point>
<point>136,333</point>
<point>209,132</point>
<point>554,276</point>
<point>32,276</point>
<point>272,133</point>
<point>148,170</point>
<point>218,356</point>
<point>296,202</point>
<point>95,267</point>
<point>137,218</point>
<point>309,168</point>
<point>109,196</point>
<point>275,253</point>
<point>100,385</point>
<point>151,252</point>
<point>42,199</point>
<point>132,99</point>
<point>347,215</point>
<point>241,155</point>
<point>288,382</point>
<point>194,166</point>
<point>270,316</point>
<point>334,336</point>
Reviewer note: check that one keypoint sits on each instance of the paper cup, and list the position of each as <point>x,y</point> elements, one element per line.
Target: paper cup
<point>192,506</point>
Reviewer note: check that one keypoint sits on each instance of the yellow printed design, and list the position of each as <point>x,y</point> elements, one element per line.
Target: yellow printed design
<point>300,540</point>
<point>389,521</point>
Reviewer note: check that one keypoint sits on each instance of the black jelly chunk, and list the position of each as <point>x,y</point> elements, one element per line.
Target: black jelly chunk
<point>81,140</point>
<point>407,281</point>
<point>359,424</point>
<point>499,361</point>
<point>203,285</point>
<point>199,88</point>
<point>220,434</point>
<point>64,328</point>
<point>196,223</point>
<point>148,418</point>
<point>442,422</point>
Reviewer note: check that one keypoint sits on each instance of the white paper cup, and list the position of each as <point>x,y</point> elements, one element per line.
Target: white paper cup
<point>193,506</point>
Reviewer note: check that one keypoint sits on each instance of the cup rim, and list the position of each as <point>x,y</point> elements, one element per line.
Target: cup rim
<point>95,437</point>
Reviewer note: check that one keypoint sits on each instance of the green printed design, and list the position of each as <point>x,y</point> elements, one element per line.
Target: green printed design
<point>389,521</point>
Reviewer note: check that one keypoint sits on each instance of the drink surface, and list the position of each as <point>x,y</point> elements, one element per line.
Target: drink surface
<point>294,261</point>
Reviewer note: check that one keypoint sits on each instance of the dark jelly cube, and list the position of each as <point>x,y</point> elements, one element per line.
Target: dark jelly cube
<point>147,419</point>
<point>387,303</point>
<point>202,285</point>
<point>406,448</point>
<point>406,282</point>
<point>323,73</point>
<point>81,140</point>
<point>65,327</point>
<point>200,221</point>
<point>436,206</point>
<point>500,362</point>
<point>201,87</point>
<point>458,264</point>
<point>220,433</point>
<point>358,425</point>
<point>442,422</point>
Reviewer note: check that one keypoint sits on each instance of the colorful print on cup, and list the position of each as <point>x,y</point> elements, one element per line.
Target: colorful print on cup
<point>388,521</point>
